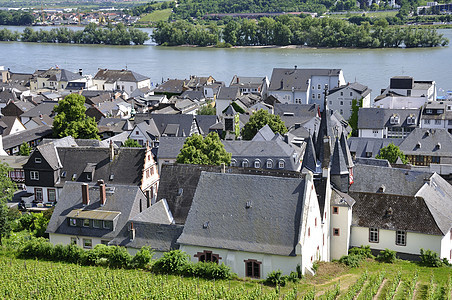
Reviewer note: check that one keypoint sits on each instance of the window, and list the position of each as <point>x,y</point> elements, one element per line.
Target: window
<point>269,164</point>
<point>104,242</point>
<point>38,194</point>
<point>137,132</point>
<point>449,122</point>
<point>342,102</point>
<point>351,94</point>
<point>245,163</point>
<point>313,96</point>
<point>72,222</point>
<point>108,225</point>
<point>97,223</point>
<point>336,231</point>
<point>428,111</point>
<point>253,268</point>
<point>38,160</point>
<point>373,235</point>
<point>34,175</point>
<point>426,121</point>
<point>315,222</point>
<point>335,210</point>
<point>233,162</point>
<point>319,87</point>
<point>309,231</point>
<point>281,164</point>
<point>51,195</point>
<point>87,243</point>
<point>401,238</point>
<point>342,93</point>
<point>73,240</point>
<point>374,131</point>
<point>257,164</point>
<point>437,122</point>
<point>318,96</point>
<point>85,222</point>
<point>207,256</point>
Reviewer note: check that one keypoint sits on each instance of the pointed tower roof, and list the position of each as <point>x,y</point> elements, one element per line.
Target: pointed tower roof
<point>338,164</point>
<point>325,129</point>
<point>309,157</point>
<point>346,150</point>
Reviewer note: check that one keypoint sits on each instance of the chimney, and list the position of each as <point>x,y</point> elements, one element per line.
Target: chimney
<point>238,79</point>
<point>295,67</point>
<point>112,151</point>
<point>103,193</point>
<point>282,84</point>
<point>80,72</point>
<point>85,194</point>
<point>223,167</point>
<point>131,232</point>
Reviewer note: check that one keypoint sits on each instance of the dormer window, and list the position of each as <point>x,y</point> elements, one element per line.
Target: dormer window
<point>245,163</point>
<point>281,164</point>
<point>233,162</point>
<point>269,164</point>
<point>395,119</point>
<point>428,111</point>
<point>411,120</point>
<point>257,164</point>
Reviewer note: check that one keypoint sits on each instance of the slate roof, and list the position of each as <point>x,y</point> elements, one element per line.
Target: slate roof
<point>124,199</point>
<point>178,183</point>
<point>49,153</point>
<point>172,86</point>
<point>264,227</point>
<point>9,121</point>
<point>127,165</point>
<point>111,76</point>
<point>338,163</point>
<point>373,162</point>
<point>8,94</point>
<point>16,108</point>
<point>163,120</point>
<point>160,237</point>
<point>228,93</point>
<point>360,145</point>
<point>297,110</point>
<point>29,135</point>
<point>285,79</point>
<point>15,162</point>
<point>205,122</point>
<point>60,75</point>
<point>158,213</point>
<point>148,128</point>
<point>357,87</point>
<point>264,134</point>
<point>169,147</point>
<point>45,108</point>
<point>247,82</point>
<point>378,118</point>
<point>193,95</point>
<point>369,179</point>
<point>309,158</point>
<point>432,142</point>
<point>42,120</point>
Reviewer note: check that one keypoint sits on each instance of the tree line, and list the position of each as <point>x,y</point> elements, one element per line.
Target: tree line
<point>298,30</point>
<point>92,34</point>
<point>16,18</point>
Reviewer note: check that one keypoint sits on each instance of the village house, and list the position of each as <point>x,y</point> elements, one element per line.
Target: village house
<point>124,80</point>
<point>341,98</point>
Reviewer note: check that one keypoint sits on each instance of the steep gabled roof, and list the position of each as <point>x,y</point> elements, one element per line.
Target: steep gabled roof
<point>111,76</point>
<point>297,79</point>
<point>264,134</point>
<point>228,93</point>
<point>430,142</point>
<point>309,157</point>
<point>28,135</point>
<point>123,199</point>
<point>249,219</point>
<point>338,164</point>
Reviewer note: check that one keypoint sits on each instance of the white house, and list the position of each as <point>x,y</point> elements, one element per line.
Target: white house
<point>406,86</point>
<point>124,80</point>
<point>303,86</point>
<point>55,79</point>
<point>266,224</point>
<point>340,98</point>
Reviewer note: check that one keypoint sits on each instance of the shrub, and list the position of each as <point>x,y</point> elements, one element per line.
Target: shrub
<point>430,258</point>
<point>171,262</point>
<point>118,257</point>
<point>352,261</point>
<point>315,266</point>
<point>363,251</point>
<point>142,258</point>
<point>36,248</point>
<point>207,270</point>
<point>276,278</point>
<point>299,271</point>
<point>293,277</point>
<point>387,256</point>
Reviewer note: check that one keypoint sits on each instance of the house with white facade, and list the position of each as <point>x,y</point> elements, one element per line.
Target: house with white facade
<point>387,123</point>
<point>437,115</point>
<point>124,80</point>
<point>341,97</point>
<point>303,86</point>
<point>401,210</point>
<point>55,79</point>
<point>251,85</point>
<point>268,223</point>
<point>406,86</point>
<point>145,133</point>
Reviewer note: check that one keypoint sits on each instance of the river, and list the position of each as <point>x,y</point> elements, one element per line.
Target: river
<point>372,67</point>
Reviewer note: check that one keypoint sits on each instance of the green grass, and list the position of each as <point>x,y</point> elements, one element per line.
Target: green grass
<point>25,279</point>
<point>370,14</point>
<point>157,15</point>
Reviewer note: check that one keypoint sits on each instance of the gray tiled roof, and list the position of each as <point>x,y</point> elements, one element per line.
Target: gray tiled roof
<point>264,134</point>
<point>432,142</point>
<point>119,75</point>
<point>169,147</point>
<point>377,118</point>
<point>172,86</point>
<point>361,145</point>
<point>162,120</point>
<point>228,93</point>
<point>60,75</point>
<point>178,183</point>
<point>124,199</point>
<point>49,153</point>
<point>158,213</point>
<point>29,135</point>
<point>45,108</point>
<point>338,163</point>
<point>205,122</point>
<point>297,78</point>
<point>359,88</point>
<point>249,82</point>
<point>309,158</point>
<point>264,227</point>
<point>369,179</point>
<point>160,237</point>
<point>127,165</point>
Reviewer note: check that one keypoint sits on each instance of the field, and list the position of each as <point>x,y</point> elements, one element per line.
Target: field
<point>370,14</point>
<point>157,15</point>
<point>26,279</point>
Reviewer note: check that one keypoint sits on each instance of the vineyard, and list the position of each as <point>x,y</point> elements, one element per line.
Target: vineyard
<point>33,279</point>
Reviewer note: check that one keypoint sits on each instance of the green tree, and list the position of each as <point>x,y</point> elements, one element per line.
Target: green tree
<point>207,109</point>
<point>7,189</point>
<point>72,120</point>
<point>258,120</point>
<point>392,152</point>
<point>353,120</point>
<point>203,151</point>
<point>131,143</point>
<point>24,149</point>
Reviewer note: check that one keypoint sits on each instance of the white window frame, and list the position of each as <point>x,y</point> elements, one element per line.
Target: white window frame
<point>87,243</point>
<point>72,222</point>
<point>269,164</point>
<point>257,164</point>
<point>374,235</point>
<point>34,175</point>
<point>98,224</point>
<point>400,238</point>
<point>281,164</point>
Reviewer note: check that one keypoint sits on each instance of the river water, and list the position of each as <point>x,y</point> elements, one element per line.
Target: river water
<point>372,67</point>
